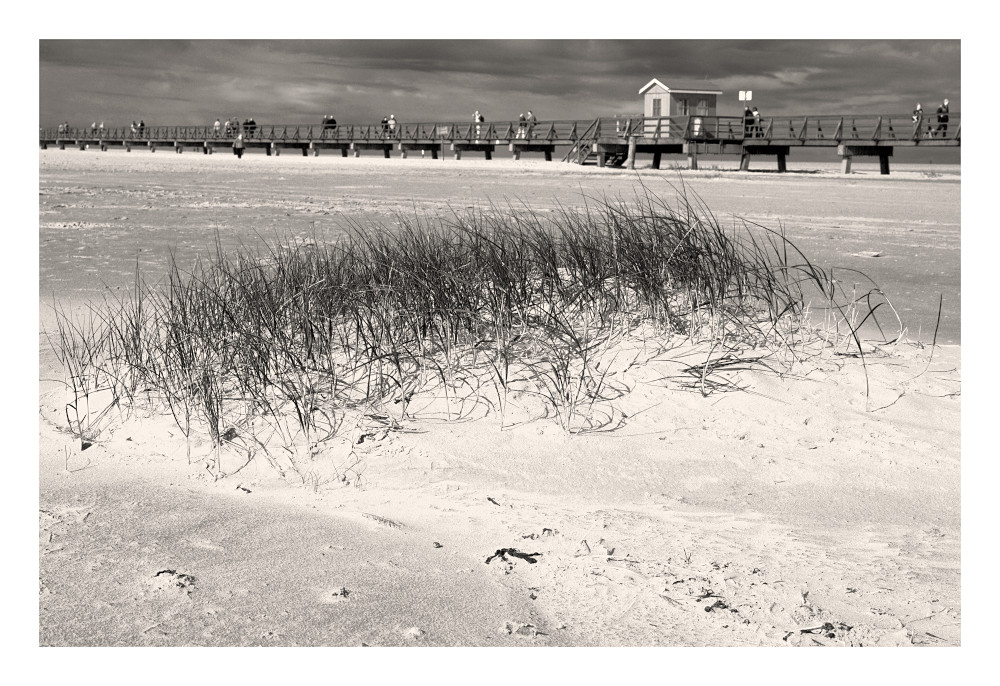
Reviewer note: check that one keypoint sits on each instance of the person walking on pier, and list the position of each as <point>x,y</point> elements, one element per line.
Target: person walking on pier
<point>942,119</point>
<point>142,128</point>
<point>478,119</point>
<point>135,128</point>
<point>217,127</point>
<point>758,127</point>
<point>747,123</point>
<point>385,126</point>
<point>392,125</point>
<point>918,120</point>
<point>521,125</point>
<point>531,121</point>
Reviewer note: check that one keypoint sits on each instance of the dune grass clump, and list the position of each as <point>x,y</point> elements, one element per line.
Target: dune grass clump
<point>281,349</point>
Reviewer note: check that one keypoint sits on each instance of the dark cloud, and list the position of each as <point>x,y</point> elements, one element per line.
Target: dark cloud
<point>298,81</point>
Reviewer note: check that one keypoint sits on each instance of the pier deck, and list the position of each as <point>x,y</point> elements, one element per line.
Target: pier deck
<point>606,141</point>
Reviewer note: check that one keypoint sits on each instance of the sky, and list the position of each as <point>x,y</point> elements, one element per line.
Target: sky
<point>192,82</point>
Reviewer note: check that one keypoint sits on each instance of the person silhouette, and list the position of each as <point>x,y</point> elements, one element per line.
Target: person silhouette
<point>918,119</point>
<point>942,119</point>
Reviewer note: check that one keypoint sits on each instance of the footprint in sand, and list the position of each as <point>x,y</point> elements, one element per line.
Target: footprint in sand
<point>519,629</point>
<point>171,582</point>
<point>337,595</point>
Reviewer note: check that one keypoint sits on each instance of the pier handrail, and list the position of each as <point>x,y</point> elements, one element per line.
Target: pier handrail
<point>779,129</point>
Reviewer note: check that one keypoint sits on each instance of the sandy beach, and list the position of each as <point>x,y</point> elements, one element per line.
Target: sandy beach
<point>817,507</point>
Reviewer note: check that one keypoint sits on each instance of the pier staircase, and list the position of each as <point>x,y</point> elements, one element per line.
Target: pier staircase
<point>582,148</point>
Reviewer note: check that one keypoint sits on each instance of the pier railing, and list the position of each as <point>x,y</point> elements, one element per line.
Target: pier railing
<point>814,130</point>
<point>784,130</point>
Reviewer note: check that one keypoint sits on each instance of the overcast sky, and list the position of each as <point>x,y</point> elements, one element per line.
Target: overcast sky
<point>190,82</point>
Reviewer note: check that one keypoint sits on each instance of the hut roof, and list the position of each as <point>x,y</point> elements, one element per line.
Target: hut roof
<point>683,87</point>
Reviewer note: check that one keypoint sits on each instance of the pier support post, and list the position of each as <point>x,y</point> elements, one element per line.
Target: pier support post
<point>883,164</point>
<point>631,152</point>
<point>848,152</point>
<point>781,163</point>
<point>602,158</point>
<point>657,157</point>
<point>343,152</point>
<point>458,153</point>
<point>744,161</point>
<point>489,155</point>
<point>305,152</point>
<point>402,153</point>
<point>692,160</point>
<point>517,154</point>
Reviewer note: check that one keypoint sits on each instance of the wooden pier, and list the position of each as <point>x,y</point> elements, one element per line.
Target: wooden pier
<point>606,141</point>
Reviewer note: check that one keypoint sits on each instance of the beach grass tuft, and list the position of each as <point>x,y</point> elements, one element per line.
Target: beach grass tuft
<point>275,351</point>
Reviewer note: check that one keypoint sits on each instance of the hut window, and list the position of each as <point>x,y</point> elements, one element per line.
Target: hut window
<point>683,104</point>
<point>703,106</point>
<point>656,107</point>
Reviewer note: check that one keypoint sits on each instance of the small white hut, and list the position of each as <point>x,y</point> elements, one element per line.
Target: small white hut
<point>679,99</point>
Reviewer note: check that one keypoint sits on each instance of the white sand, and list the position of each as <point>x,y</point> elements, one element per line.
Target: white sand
<point>793,505</point>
